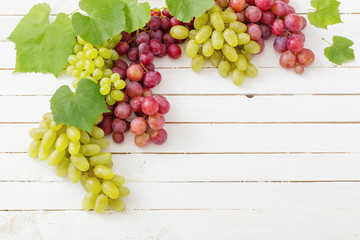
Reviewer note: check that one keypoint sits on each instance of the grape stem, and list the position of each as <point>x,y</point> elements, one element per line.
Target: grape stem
<point>326,41</point>
<point>73,12</point>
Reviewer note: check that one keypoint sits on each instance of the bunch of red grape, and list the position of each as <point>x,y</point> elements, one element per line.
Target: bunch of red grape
<point>275,17</point>
<point>140,111</point>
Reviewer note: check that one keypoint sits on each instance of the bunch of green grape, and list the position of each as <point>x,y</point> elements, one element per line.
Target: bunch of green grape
<point>77,153</point>
<point>95,63</point>
<point>221,38</point>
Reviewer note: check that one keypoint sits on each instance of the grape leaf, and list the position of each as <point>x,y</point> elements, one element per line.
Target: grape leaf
<point>326,13</point>
<point>340,50</point>
<point>137,14</point>
<point>186,10</point>
<point>41,46</point>
<point>106,19</point>
<point>79,109</point>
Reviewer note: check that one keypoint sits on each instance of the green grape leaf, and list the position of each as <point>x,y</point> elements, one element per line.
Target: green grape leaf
<point>41,46</point>
<point>105,19</point>
<point>137,14</point>
<point>79,109</point>
<point>326,13</point>
<point>186,10</point>
<point>340,51</point>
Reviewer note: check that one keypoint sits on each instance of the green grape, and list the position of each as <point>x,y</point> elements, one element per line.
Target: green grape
<point>251,71</point>
<point>229,16</point>
<point>80,65</point>
<point>97,74</point>
<point>48,139</point>
<point>201,21</point>
<point>109,64</point>
<point>117,204</point>
<point>62,129</point>
<point>75,82</point>
<point>73,133</point>
<point>102,142</point>
<point>87,46</point>
<point>97,132</point>
<point>89,66</point>
<point>55,127</point>
<point>55,157</point>
<point>37,133</point>
<point>105,81</point>
<point>101,203</point>
<point>110,189</point>
<point>74,148</point>
<point>114,77</point>
<point>111,45</point>
<point>192,34</point>
<point>114,54</point>
<point>103,172</point>
<point>47,117</point>
<point>232,66</point>
<point>91,53</point>
<point>230,53</point>
<point>216,58</point>
<point>76,73</point>
<point>44,124</point>
<point>216,8</point>
<point>34,148</point>
<point>62,142</point>
<point>109,100</point>
<point>100,159</point>
<point>90,149</point>
<point>123,191</point>
<point>117,38</point>
<point>80,40</point>
<point>217,21</point>
<point>217,40</point>
<point>117,95</point>
<point>179,32</point>
<point>105,89</point>
<point>99,119</point>
<point>84,137</point>
<point>238,27</point>
<point>109,165</point>
<point>243,38</point>
<point>207,48</point>
<point>80,55</point>
<point>43,153</point>
<point>89,201</point>
<point>241,63</point>
<point>78,48</point>
<point>74,173</point>
<point>99,62</point>
<point>237,77</point>
<point>70,69</point>
<point>118,180</point>
<point>230,37</point>
<point>191,49</point>
<point>252,47</point>
<point>84,177</point>
<point>247,55</point>
<point>62,167</point>
<point>119,84</point>
<point>84,74</point>
<point>203,34</point>
<point>224,68</point>
<point>80,161</point>
<point>105,53</point>
<point>72,59</point>
<point>107,73</point>
<point>93,185</point>
<point>197,63</point>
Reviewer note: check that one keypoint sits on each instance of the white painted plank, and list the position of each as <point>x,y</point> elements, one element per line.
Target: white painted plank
<point>214,138</point>
<point>66,195</point>
<point>176,225</point>
<point>185,81</point>
<point>13,7</point>
<point>202,167</point>
<point>217,108</point>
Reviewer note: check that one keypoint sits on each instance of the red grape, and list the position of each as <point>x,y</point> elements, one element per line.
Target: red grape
<point>254,31</point>
<point>253,14</point>
<point>156,121</point>
<point>299,69</point>
<point>133,89</point>
<point>237,5</point>
<point>156,34</point>
<point>118,125</point>
<point>147,92</point>
<point>138,126</point>
<point>264,4</point>
<point>105,125</point>
<point>122,111</point>
<point>135,72</point>
<point>122,47</point>
<point>267,17</point>
<point>150,80</point>
<point>133,54</point>
<point>280,8</point>
<point>147,58</point>
<point>278,27</point>
<point>240,16</point>
<point>144,48</point>
<point>174,22</point>
<point>155,46</point>
<point>135,103</point>
<point>120,64</point>
<point>149,106</point>
<point>164,105</point>
<point>265,31</point>
<point>222,3</point>
<point>280,44</point>
<point>158,137</point>
<point>118,137</point>
<point>174,51</point>
<point>142,140</point>
<point>143,37</point>
<point>155,23</point>
<point>293,23</point>
<point>295,44</point>
<point>287,59</point>
<point>305,57</point>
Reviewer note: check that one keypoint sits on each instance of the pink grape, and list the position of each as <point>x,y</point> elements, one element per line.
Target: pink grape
<point>299,35</point>
<point>158,137</point>
<point>164,105</point>
<point>149,106</point>
<point>265,31</point>
<point>240,16</point>
<point>133,54</point>
<point>163,51</point>
<point>105,125</point>
<point>222,3</point>
<point>147,92</point>
<point>262,45</point>
<point>299,69</point>
<point>237,5</point>
<point>144,48</point>
<point>133,89</point>
<point>305,57</point>
<point>295,44</point>
<point>142,140</point>
<point>253,14</point>
<point>278,27</point>
<point>291,9</point>
<point>135,72</point>
<point>158,75</point>
<point>174,51</point>
<point>156,121</point>
<point>118,137</point>
<point>264,4</point>
<point>287,59</point>
<point>147,58</point>
<point>155,23</point>
<point>156,34</point>
<point>138,126</point>
<point>118,125</point>
<point>280,8</point>
<point>267,17</point>
<point>122,47</point>
<point>150,80</point>
<point>155,46</point>
<point>122,111</point>
<point>135,103</point>
<point>293,23</point>
<point>280,44</point>
<point>143,37</point>
<point>254,31</point>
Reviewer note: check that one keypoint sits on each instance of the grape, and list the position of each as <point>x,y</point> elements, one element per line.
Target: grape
<point>122,47</point>
<point>124,191</point>
<point>149,106</point>
<point>280,8</point>
<point>62,142</point>
<point>299,69</point>
<point>150,67</point>
<point>230,53</point>
<point>90,149</point>
<point>155,47</point>
<point>133,54</point>
<point>231,38</point>
<point>62,167</point>
<point>174,22</point>
<point>43,153</point>
<point>88,201</point>
<point>93,185</point>
<point>159,77</point>
<point>203,34</point>
<point>103,172</point>
<point>134,89</point>
<point>122,111</point>
<point>304,22</point>
<point>201,21</point>
<point>174,51</point>
<point>164,105</point>
<point>251,71</point>
<point>103,143</point>
<point>105,125</point>
<point>253,14</point>
<point>74,148</point>
<point>261,43</point>
<point>197,63</point>
<point>142,140</point>
<point>135,105</point>
<point>156,121</point>
<point>156,34</point>
<point>305,57</point>
<point>155,23</point>
<point>238,27</point>
<point>216,58</point>
<point>240,16</point>
<point>224,68</point>
<point>299,35</point>
<point>118,125</point>
<point>150,80</point>
<point>138,126</point>
<point>105,53</point>
<point>280,44</point>
<point>254,31</point>
<point>84,138</point>
<point>147,93</point>
<point>217,40</point>
<point>168,39</point>
<point>142,37</point>
<point>237,5</point>
<point>37,133</point>
<point>217,21</point>
<point>179,32</point>
<point>264,4</point>
<point>147,58</point>
<point>100,159</point>
<point>126,36</point>
<point>243,38</point>
<point>48,139</point>
<point>117,204</point>
<point>110,189</point>
<point>34,148</point>
<point>55,157</point>
<point>293,22</point>
<point>144,48</point>
<point>295,44</point>
<point>165,25</point>
<point>208,49</point>
<point>119,71</point>
<point>291,9</point>
<point>287,59</point>
<point>229,16</point>
<point>162,52</point>
<point>80,161</point>
<point>237,76</point>
<point>135,72</point>
<point>267,17</point>
<point>265,31</point>
<point>278,27</point>
<point>241,63</point>
<point>158,137</point>
<point>101,203</point>
<point>222,3</point>
<point>74,173</point>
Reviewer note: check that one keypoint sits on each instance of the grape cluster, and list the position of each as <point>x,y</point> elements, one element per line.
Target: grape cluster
<point>77,154</point>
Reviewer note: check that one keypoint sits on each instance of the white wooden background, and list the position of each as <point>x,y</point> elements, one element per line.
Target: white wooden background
<point>284,164</point>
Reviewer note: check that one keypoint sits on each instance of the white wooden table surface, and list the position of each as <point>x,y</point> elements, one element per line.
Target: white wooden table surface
<point>284,164</point>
